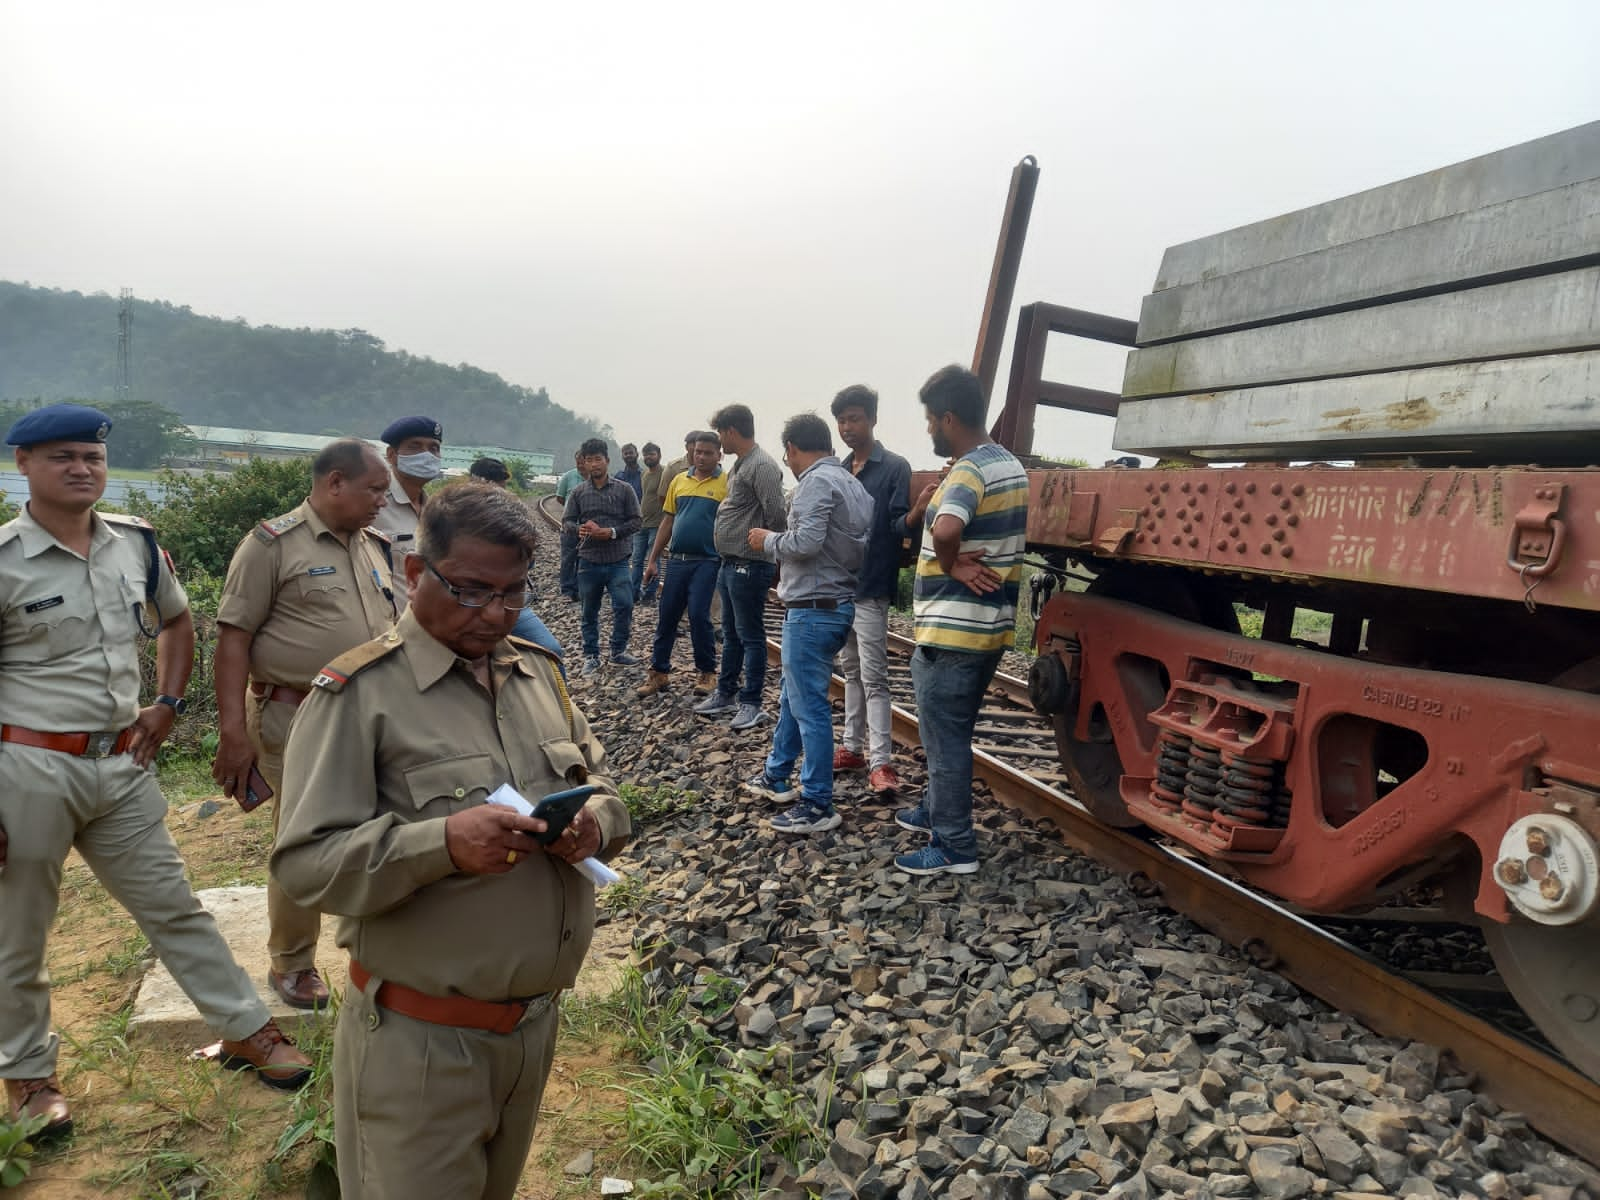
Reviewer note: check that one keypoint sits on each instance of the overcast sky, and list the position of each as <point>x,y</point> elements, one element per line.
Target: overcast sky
<point>654,210</point>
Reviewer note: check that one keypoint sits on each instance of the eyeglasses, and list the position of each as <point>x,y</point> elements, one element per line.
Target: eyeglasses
<point>475,597</point>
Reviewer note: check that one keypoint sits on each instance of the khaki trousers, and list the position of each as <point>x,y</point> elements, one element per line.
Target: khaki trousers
<point>424,1111</point>
<point>114,814</point>
<point>292,930</point>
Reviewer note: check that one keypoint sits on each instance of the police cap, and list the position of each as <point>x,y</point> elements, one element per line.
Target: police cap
<point>60,423</point>
<point>409,427</point>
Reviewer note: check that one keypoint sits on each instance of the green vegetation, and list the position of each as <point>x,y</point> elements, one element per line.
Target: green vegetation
<point>644,806</point>
<point>16,1148</point>
<point>309,1134</point>
<point>58,344</point>
<point>202,517</point>
<point>701,1113</point>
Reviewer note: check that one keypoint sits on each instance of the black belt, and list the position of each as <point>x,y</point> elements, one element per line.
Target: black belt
<point>676,557</point>
<point>819,605</point>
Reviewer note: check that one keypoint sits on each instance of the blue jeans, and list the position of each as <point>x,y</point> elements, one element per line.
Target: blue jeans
<point>593,580</point>
<point>642,541</point>
<point>811,639</point>
<point>531,629</point>
<point>569,565</point>
<point>742,584</point>
<point>686,585</point>
<point>950,685</point>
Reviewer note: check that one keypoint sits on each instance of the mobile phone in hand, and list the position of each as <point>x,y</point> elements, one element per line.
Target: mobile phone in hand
<point>558,809</point>
<point>256,791</point>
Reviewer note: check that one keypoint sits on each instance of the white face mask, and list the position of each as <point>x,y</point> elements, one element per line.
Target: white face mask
<point>420,466</point>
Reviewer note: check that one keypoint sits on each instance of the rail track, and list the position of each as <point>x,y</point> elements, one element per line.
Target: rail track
<point>1014,753</point>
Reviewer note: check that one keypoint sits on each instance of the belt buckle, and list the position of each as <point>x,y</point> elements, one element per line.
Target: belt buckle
<point>100,745</point>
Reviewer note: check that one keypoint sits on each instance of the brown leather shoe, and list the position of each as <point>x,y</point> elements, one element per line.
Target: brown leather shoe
<point>270,1055</point>
<point>705,683</point>
<point>41,1098</point>
<point>654,681</point>
<point>300,989</point>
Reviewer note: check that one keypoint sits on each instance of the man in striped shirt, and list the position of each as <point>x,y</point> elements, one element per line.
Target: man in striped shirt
<point>965,603</point>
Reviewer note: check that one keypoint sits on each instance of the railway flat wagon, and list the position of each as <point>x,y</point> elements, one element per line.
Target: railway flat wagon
<point>1375,674</point>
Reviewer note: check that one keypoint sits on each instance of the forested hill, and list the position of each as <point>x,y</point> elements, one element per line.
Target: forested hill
<point>56,344</point>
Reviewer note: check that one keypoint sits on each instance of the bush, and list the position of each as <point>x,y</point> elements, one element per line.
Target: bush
<point>202,517</point>
<point>189,735</point>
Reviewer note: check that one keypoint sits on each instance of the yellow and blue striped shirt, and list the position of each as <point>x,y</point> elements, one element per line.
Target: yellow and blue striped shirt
<point>987,489</point>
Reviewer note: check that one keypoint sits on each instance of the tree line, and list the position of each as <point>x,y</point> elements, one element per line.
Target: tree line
<point>59,345</point>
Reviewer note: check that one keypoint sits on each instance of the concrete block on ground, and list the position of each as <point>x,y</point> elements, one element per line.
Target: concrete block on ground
<point>162,1010</point>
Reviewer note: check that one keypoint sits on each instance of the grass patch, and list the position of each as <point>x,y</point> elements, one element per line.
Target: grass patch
<point>625,898</point>
<point>306,1145</point>
<point>186,777</point>
<point>709,1118</point>
<point>653,803</point>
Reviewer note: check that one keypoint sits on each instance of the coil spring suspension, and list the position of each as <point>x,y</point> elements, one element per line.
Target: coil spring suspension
<point>1252,792</point>
<point>1203,781</point>
<point>1172,765</point>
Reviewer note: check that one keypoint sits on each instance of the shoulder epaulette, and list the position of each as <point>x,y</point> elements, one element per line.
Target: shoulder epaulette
<point>147,531</point>
<point>270,531</point>
<point>385,544</point>
<point>334,676</point>
<point>525,644</point>
<point>125,519</point>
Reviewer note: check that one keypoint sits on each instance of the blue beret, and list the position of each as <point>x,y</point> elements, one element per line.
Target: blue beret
<point>60,423</point>
<point>410,427</point>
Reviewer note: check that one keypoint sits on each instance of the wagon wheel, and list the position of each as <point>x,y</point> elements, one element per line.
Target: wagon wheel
<point>1093,766</point>
<point>1553,971</point>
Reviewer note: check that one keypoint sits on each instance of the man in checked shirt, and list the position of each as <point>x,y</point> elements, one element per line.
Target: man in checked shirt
<point>603,514</point>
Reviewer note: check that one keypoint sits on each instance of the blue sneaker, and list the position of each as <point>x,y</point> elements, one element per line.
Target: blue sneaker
<point>916,820</point>
<point>778,791</point>
<point>936,860</point>
<point>806,817</point>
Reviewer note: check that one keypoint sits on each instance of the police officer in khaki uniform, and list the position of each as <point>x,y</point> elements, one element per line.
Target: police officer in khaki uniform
<point>76,589</point>
<point>413,454</point>
<point>461,926</point>
<point>301,590</point>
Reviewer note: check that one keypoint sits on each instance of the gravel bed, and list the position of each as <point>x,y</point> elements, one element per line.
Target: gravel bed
<point>1035,1030</point>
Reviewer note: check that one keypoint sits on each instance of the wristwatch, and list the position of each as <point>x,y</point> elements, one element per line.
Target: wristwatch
<point>176,703</point>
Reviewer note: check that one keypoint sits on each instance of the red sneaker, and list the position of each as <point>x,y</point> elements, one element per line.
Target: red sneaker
<point>883,780</point>
<point>848,760</point>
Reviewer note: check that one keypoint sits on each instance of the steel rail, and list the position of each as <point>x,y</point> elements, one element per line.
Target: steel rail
<point>1559,1102</point>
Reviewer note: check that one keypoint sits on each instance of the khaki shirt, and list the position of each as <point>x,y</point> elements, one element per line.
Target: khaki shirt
<point>398,519</point>
<point>668,473</point>
<point>394,738</point>
<point>651,498</point>
<point>69,653</point>
<point>305,596</point>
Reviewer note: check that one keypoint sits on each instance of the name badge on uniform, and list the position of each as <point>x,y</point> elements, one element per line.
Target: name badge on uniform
<point>322,571</point>
<point>41,605</point>
<point>404,537</point>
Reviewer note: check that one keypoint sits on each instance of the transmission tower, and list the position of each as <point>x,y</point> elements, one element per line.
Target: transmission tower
<point>125,347</point>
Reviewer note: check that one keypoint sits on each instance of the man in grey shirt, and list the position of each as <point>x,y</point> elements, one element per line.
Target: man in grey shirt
<point>755,499</point>
<point>830,522</point>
